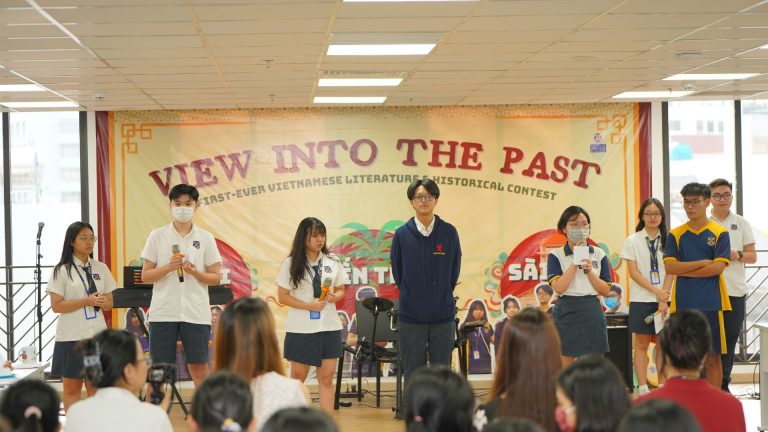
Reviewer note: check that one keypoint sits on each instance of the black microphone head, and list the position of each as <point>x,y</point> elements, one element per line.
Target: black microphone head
<point>41,224</point>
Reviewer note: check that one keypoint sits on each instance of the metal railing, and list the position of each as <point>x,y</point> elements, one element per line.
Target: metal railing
<point>748,347</point>
<point>18,308</point>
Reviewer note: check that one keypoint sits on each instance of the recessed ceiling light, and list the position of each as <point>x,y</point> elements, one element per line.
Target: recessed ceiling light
<point>20,88</point>
<point>40,104</point>
<point>380,49</point>
<point>710,77</point>
<point>349,99</point>
<point>359,82</point>
<point>663,94</point>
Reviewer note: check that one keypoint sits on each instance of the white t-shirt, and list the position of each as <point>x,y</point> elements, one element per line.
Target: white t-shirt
<point>636,248</point>
<point>740,232</point>
<point>118,408</point>
<point>273,392</point>
<point>298,320</point>
<point>174,301</point>
<point>72,326</point>
<point>580,286</point>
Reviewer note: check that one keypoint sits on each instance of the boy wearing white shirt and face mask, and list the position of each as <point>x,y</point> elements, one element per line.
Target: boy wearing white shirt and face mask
<point>181,260</point>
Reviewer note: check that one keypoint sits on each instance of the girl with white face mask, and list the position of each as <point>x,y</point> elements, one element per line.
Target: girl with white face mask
<point>578,273</point>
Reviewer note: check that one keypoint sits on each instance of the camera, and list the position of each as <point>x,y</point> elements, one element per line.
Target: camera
<point>158,376</point>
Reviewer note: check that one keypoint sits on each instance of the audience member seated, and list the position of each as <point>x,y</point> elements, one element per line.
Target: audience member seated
<point>657,415</point>
<point>512,425</point>
<point>223,403</point>
<point>116,366</point>
<point>685,342</point>
<point>527,364</point>
<point>246,344</point>
<point>437,399</point>
<point>591,396</point>
<point>31,405</point>
<point>302,419</point>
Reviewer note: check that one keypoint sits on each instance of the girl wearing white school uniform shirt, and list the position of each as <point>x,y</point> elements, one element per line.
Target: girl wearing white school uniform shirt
<point>117,367</point>
<point>309,282</point>
<point>650,285</point>
<point>80,289</point>
<point>578,315</point>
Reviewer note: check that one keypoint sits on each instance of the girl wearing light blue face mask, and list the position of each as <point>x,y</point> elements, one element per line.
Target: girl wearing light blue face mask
<point>578,273</point>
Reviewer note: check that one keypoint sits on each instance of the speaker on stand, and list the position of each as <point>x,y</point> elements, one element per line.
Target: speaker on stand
<point>620,345</point>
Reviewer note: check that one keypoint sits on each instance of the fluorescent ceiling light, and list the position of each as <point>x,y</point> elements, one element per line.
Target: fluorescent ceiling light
<point>20,88</point>
<point>359,82</point>
<point>380,49</point>
<point>764,46</point>
<point>404,1</point>
<point>663,94</point>
<point>349,99</point>
<point>41,104</point>
<point>711,77</point>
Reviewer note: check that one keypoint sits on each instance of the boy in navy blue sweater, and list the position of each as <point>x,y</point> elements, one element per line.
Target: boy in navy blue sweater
<point>426,260</point>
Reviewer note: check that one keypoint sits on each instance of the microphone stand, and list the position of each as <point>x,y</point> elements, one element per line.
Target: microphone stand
<point>39,275</point>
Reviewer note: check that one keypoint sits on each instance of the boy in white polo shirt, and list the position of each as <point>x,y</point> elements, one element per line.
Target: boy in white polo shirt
<point>742,251</point>
<point>181,260</point>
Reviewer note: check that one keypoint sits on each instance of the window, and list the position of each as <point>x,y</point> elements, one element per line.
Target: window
<point>674,126</point>
<point>754,123</point>
<point>702,156</point>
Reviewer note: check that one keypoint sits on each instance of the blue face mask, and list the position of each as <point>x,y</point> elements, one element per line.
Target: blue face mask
<point>611,302</point>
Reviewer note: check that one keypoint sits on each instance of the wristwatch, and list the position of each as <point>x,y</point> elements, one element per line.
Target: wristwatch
<point>741,255</point>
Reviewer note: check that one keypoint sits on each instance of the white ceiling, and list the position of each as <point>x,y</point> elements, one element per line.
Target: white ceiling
<point>173,54</point>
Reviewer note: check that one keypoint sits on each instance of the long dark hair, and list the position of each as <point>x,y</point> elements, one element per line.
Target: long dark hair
<point>221,398</point>
<point>24,400</point>
<point>662,225</point>
<point>67,251</point>
<point>437,399</point>
<point>595,386</point>
<point>115,349</point>
<point>528,361</point>
<point>299,261</point>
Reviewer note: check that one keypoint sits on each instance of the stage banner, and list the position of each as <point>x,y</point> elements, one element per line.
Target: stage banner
<point>505,173</point>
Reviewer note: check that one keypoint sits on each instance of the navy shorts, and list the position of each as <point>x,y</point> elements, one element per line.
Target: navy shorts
<point>638,312</point>
<point>67,362</point>
<point>717,327</point>
<point>312,348</point>
<point>164,335</point>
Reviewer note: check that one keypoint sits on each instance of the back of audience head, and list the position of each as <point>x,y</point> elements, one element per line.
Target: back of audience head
<point>114,358</point>
<point>685,340</point>
<point>527,363</point>
<point>223,403</point>
<point>246,340</point>
<point>590,395</point>
<point>505,424</point>
<point>656,415</point>
<point>300,419</point>
<point>438,399</point>
<point>31,406</point>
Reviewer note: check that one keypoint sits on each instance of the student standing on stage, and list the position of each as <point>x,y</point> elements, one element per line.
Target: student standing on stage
<point>426,261</point>
<point>80,289</point>
<point>312,327</point>
<point>697,252</point>
<point>181,260</point>
<point>742,252</point>
<point>578,314</point>
<point>650,286</point>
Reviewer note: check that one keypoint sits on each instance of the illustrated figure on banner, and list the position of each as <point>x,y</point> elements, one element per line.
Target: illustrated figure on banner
<point>478,338</point>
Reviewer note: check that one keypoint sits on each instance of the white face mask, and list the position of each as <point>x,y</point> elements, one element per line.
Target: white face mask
<point>183,214</point>
<point>578,235</point>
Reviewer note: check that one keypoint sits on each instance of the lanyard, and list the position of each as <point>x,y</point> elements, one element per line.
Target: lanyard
<point>85,285</point>
<point>654,257</point>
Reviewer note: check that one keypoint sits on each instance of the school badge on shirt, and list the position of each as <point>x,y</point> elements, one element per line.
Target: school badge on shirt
<point>711,241</point>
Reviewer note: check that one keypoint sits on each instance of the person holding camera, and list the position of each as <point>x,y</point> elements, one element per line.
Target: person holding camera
<point>80,289</point>
<point>115,364</point>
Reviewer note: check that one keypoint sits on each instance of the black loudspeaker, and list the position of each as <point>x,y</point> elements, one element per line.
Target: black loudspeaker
<point>620,346</point>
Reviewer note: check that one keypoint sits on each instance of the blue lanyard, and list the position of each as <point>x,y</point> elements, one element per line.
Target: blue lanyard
<point>654,257</point>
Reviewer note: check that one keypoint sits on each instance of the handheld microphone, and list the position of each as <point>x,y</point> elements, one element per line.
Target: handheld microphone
<point>325,287</point>
<point>40,226</point>
<point>649,319</point>
<point>176,252</point>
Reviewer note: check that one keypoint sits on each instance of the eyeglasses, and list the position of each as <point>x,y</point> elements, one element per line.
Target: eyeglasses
<point>576,225</point>
<point>87,239</point>
<point>424,198</point>
<point>147,360</point>
<point>721,197</point>
<point>652,215</point>
<point>692,203</point>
